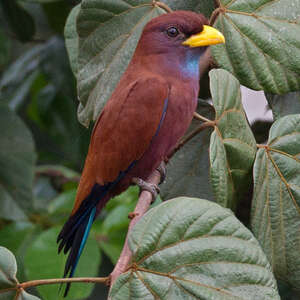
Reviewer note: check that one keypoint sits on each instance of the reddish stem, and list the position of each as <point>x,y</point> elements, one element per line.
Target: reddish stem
<point>141,208</point>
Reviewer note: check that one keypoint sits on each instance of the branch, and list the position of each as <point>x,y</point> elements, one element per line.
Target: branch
<point>32,283</point>
<point>191,135</point>
<point>143,204</point>
<point>215,14</point>
<point>54,173</point>
<point>201,118</point>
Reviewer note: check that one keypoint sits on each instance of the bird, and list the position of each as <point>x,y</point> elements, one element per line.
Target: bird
<point>148,112</point>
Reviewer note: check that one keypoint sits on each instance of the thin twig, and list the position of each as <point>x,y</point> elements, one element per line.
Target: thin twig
<point>27,284</point>
<point>191,135</point>
<point>215,14</point>
<point>162,5</point>
<point>201,118</point>
<point>56,173</point>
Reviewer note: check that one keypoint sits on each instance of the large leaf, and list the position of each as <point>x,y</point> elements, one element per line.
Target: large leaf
<point>205,7</point>
<point>49,59</point>
<point>232,146</point>
<point>108,34</point>
<point>71,38</point>
<point>262,46</point>
<point>283,105</point>
<point>18,77</point>
<point>19,20</point>
<point>17,237</point>
<point>188,169</point>
<point>42,261</point>
<point>61,139</point>
<point>276,201</point>
<point>17,159</point>
<point>8,270</point>
<point>188,248</point>
<point>12,235</point>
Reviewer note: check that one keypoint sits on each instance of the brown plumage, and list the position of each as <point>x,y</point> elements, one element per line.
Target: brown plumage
<point>149,111</point>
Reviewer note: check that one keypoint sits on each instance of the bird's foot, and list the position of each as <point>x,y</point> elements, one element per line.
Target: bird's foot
<point>146,186</point>
<point>162,170</point>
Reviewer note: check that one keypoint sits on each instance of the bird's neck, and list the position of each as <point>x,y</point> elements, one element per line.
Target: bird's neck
<point>184,67</point>
<point>189,65</point>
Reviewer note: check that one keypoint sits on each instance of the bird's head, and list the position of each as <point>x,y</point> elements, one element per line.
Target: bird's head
<point>178,36</point>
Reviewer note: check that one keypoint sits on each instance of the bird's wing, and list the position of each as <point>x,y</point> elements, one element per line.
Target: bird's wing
<point>123,132</point>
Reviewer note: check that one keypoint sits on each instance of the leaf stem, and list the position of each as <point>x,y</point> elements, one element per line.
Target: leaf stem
<point>215,14</point>
<point>191,135</point>
<point>201,118</point>
<point>162,5</point>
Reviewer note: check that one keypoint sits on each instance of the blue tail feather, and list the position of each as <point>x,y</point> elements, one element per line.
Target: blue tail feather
<point>81,236</point>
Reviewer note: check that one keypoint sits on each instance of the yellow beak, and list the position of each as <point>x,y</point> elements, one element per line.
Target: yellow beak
<point>208,36</point>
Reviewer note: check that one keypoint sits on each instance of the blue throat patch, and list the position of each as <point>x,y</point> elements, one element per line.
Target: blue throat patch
<point>190,67</point>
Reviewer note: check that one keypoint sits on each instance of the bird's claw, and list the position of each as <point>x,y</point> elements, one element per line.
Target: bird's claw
<point>162,170</point>
<point>146,186</point>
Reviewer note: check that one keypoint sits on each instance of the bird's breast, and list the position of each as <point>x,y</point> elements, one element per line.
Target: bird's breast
<point>182,102</point>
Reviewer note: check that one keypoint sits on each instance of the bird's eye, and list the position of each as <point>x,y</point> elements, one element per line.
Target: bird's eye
<point>172,31</point>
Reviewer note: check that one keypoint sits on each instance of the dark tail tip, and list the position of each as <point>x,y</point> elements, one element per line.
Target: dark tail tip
<point>75,242</point>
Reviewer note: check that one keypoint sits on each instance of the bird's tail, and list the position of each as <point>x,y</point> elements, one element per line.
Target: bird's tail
<point>74,233</point>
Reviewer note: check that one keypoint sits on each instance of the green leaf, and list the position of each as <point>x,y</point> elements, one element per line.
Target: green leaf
<point>112,233</point>
<point>108,34</point>
<point>18,237</point>
<point>42,261</point>
<point>54,64</point>
<point>17,159</point>
<point>43,193</point>
<point>56,13</point>
<point>19,20</point>
<point>262,46</point>
<point>205,7</point>
<point>232,146</point>
<point>71,38</point>
<point>110,230</point>
<point>14,295</point>
<point>63,203</point>
<point>12,235</point>
<point>41,1</point>
<point>188,248</point>
<point>25,296</point>
<point>283,105</point>
<point>188,169</point>
<point>8,269</point>
<point>18,77</point>
<point>5,47</point>
<point>275,217</point>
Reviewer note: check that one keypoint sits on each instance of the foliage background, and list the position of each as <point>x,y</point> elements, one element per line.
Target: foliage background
<point>43,145</point>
